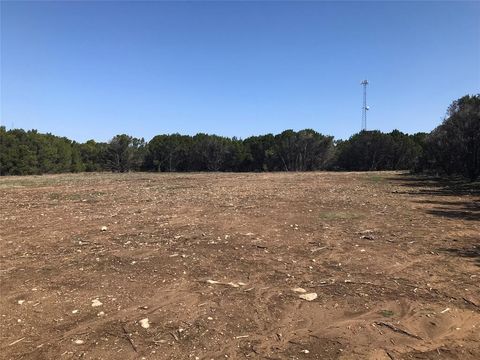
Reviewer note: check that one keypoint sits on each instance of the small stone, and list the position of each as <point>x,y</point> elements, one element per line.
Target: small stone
<point>305,351</point>
<point>309,296</point>
<point>299,290</point>
<point>96,303</point>
<point>145,323</point>
<point>79,342</point>
<point>100,314</point>
<point>20,302</point>
<point>104,228</point>
<point>74,311</point>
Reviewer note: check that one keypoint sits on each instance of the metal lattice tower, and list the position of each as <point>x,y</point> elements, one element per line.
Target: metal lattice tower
<point>365,108</point>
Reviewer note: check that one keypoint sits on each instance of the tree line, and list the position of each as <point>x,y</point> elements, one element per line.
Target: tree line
<point>451,148</point>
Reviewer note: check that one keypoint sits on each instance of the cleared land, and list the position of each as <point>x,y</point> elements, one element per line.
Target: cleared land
<point>394,260</point>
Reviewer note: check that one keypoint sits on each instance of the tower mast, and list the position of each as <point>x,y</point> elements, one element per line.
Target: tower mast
<point>365,108</point>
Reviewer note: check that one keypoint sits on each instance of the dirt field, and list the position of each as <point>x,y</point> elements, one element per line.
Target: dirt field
<point>211,260</point>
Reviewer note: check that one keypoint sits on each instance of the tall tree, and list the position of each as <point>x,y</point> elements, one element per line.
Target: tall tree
<point>454,146</point>
<point>125,153</point>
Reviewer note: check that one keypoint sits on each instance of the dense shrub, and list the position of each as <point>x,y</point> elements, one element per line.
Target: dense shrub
<point>451,148</point>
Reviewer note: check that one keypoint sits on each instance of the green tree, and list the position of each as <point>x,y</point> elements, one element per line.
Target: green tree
<point>125,153</point>
<point>454,146</point>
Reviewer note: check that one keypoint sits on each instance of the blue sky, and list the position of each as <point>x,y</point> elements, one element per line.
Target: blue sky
<point>96,69</point>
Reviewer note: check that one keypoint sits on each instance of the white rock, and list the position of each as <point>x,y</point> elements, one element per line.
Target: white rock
<point>145,323</point>
<point>74,311</point>
<point>305,351</point>
<point>96,303</point>
<point>101,313</point>
<point>309,296</point>
<point>79,342</point>
<point>20,302</point>
<point>104,228</point>
<point>299,290</point>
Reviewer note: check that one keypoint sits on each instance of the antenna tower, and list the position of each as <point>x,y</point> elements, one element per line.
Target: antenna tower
<point>365,108</point>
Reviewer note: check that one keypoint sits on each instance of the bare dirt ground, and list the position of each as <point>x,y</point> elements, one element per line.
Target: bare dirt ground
<point>211,260</point>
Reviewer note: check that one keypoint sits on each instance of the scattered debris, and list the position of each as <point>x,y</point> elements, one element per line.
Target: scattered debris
<point>390,355</point>
<point>129,339</point>
<point>213,282</point>
<point>470,302</point>
<point>175,336</point>
<point>317,249</point>
<point>232,284</point>
<point>237,284</point>
<point>398,330</point>
<point>16,341</point>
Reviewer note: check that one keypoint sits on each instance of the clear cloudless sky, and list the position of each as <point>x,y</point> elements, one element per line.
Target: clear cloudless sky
<point>96,69</point>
